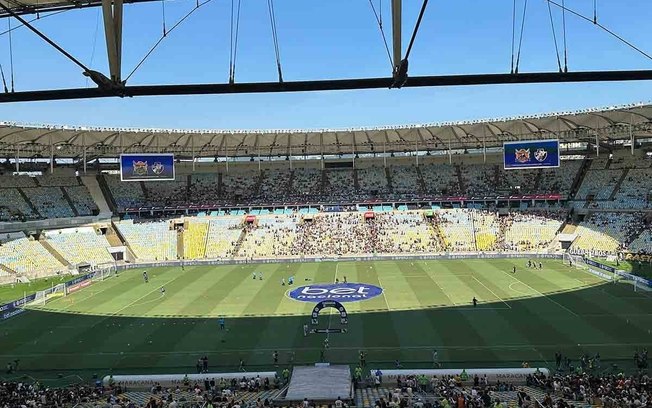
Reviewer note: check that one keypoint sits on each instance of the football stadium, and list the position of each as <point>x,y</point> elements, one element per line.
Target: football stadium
<point>482,263</point>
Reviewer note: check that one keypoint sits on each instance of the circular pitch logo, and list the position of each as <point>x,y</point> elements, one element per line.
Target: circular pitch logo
<point>342,292</point>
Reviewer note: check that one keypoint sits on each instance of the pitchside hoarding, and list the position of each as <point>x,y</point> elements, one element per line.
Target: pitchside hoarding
<point>147,167</point>
<point>532,154</point>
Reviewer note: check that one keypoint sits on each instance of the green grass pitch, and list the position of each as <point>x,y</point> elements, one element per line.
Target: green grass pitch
<point>124,325</point>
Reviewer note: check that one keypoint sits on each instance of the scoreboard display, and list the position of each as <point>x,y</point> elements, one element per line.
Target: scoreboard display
<point>533,154</point>
<point>147,167</point>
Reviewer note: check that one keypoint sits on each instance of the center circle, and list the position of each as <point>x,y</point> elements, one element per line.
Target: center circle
<point>342,292</point>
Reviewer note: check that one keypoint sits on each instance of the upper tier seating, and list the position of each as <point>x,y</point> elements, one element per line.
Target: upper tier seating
<point>599,183</point>
<point>405,181</point>
<point>49,201</point>
<point>441,180</point>
<point>82,200</point>
<point>152,241</point>
<point>167,193</point>
<point>239,184</point>
<point>57,181</point>
<point>80,245</point>
<point>17,181</point>
<point>373,181</point>
<point>305,183</point>
<point>126,193</point>
<point>13,206</point>
<point>340,184</point>
<point>274,185</point>
<point>643,242</point>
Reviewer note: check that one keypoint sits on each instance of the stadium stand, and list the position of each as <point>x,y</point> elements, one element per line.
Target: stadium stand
<point>373,181</point>
<point>151,241</point>
<point>28,257</point>
<point>531,231</point>
<point>441,180</point>
<point>240,184</point>
<point>223,234</point>
<point>272,236</point>
<point>125,194</point>
<point>334,234</point>
<point>50,201</point>
<point>486,229</point>
<point>456,226</point>
<point>167,193</point>
<point>405,232</point>
<point>14,207</point>
<point>605,233</point>
<point>306,182</point>
<point>81,200</point>
<point>194,238</point>
<point>80,245</point>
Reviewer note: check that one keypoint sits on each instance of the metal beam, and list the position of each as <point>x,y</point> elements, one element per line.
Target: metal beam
<point>327,85</point>
<point>112,14</point>
<point>397,20</point>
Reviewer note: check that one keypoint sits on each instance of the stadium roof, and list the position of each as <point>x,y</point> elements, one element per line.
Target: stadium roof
<point>33,6</point>
<point>609,125</point>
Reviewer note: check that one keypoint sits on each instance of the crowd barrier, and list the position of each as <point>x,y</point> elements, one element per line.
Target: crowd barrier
<point>146,381</point>
<point>504,375</point>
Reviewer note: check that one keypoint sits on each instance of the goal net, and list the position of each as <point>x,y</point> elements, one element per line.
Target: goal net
<point>574,260</point>
<point>54,292</point>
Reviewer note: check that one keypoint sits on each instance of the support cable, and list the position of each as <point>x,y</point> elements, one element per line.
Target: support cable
<point>520,40</point>
<point>14,28</point>
<point>554,37</point>
<point>379,21</point>
<point>607,30</point>
<point>157,43</point>
<point>416,28</point>
<point>4,81</point>
<point>595,11</point>
<point>44,37</point>
<point>235,29</point>
<point>272,21</point>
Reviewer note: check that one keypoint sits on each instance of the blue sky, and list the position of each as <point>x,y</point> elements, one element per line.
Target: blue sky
<point>323,40</point>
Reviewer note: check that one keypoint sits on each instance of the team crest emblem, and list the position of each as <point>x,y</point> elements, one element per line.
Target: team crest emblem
<point>157,168</point>
<point>140,168</point>
<point>522,155</point>
<point>541,154</point>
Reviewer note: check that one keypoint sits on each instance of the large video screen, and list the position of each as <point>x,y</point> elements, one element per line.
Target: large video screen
<point>532,154</point>
<point>147,167</point>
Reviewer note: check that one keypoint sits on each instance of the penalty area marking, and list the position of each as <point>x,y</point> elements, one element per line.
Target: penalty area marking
<point>541,294</point>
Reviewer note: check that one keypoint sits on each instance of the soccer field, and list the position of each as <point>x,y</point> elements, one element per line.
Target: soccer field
<point>126,325</point>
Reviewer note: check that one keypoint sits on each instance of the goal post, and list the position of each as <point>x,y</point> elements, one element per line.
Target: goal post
<point>43,296</point>
<point>576,261</point>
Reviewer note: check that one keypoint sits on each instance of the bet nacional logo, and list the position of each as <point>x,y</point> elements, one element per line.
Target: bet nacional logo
<point>341,292</point>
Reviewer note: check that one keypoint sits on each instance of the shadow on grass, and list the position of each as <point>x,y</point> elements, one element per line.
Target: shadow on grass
<point>609,319</point>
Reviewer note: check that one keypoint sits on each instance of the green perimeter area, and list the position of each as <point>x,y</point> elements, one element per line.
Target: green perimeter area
<point>123,325</point>
<point>15,291</point>
<point>642,269</point>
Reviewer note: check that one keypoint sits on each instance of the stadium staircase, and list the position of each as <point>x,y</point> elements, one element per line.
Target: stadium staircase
<point>107,196</point>
<point>259,182</point>
<point>188,189</point>
<point>95,189</point>
<point>539,395</point>
<point>460,179</point>
<point>422,183</point>
<point>324,182</point>
<point>288,187</point>
<point>29,202</point>
<point>69,201</point>
<point>8,270</point>
<point>586,164</point>
<point>219,185</point>
<point>238,243</point>
<point>356,182</point>
<point>390,182</point>
<point>180,251</point>
<point>113,237</point>
<point>54,252</point>
<point>617,187</point>
<point>144,188</point>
